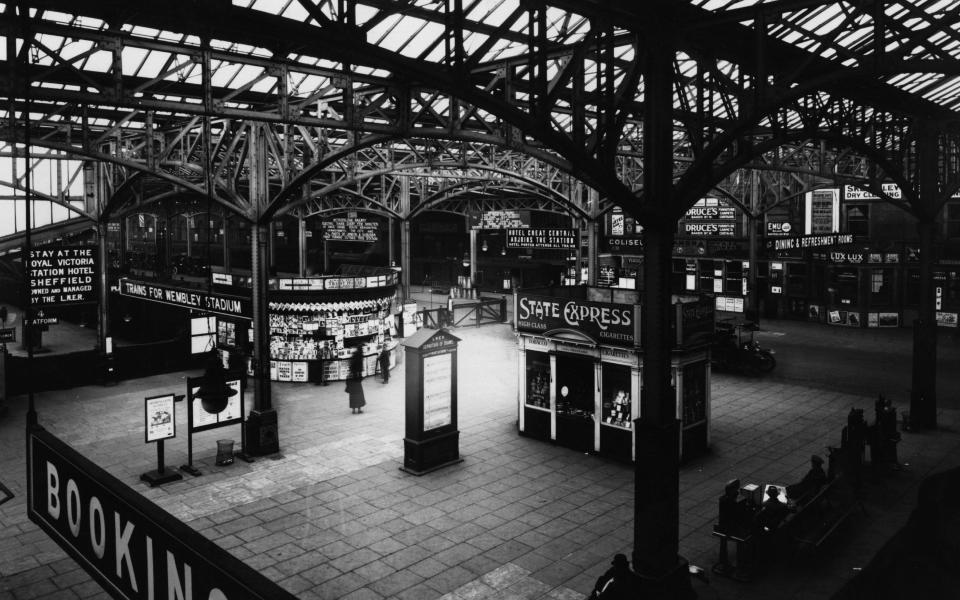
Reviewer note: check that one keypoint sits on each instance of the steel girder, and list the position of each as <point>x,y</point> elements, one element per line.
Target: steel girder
<point>563,90</point>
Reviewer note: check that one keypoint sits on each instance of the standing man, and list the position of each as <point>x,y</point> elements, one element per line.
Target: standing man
<point>384,360</point>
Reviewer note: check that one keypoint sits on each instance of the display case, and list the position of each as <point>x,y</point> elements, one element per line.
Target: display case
<point>616,422</point>
<point>537,399</point>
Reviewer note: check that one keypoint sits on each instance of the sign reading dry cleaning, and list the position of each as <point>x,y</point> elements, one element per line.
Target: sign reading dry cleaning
<point>131,546</point>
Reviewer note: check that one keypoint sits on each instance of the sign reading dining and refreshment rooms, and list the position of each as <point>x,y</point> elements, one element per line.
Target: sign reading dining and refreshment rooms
<point>811,241</point>
<point>605,322</point>
<point>230,306</point>
<point>132,547</point>
<point>555,239</point>
<point>62,275</point>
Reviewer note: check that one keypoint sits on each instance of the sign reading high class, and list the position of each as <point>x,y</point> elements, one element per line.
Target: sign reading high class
<point>62,275</point>
<point>605,322</point>
<point>131,546</point>
<point>551,239</point>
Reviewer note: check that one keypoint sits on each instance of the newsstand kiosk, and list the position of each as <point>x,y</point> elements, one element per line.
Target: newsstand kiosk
<point>581,368</point>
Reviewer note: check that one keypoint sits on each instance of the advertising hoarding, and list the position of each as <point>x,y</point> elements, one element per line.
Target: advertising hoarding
<point>62,275</point>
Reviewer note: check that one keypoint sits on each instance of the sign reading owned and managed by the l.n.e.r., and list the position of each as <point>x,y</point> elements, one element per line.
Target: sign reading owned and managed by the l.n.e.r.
<point>131,546</point>
<point>62,275</point>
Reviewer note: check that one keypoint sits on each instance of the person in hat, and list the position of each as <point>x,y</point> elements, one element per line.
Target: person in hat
<point>811,483</point>
<point>618,582</point>
<point>772,513</point>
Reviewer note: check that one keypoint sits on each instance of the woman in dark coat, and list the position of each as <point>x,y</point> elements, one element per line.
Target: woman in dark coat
<point>355,385</point>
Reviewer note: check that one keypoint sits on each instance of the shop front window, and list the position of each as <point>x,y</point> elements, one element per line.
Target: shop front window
<point>694,395</point>
<point>843,286</point>
<point>953,220</point>
<point>615,389</point>
<point>538,380</point>
<point>575,394</point>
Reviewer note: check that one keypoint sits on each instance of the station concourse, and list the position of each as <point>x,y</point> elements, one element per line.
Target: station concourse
<point>283,186</point>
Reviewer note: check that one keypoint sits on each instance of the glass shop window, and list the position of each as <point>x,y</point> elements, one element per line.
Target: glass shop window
<point>538,380</point>
<point>796,279</point>
<point>881,286</point>
<point>615,394</point>
<point>953,220</point>
<point>844,286</point>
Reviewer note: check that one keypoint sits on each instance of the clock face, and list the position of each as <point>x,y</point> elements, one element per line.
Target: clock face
<point>564,391</point>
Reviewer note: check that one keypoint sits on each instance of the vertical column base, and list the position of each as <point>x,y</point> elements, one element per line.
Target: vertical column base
<point>671,585</point>
<point>262,434</point>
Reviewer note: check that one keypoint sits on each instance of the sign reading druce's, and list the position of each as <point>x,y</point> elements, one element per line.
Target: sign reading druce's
<point>605,322</point>
<point>62,275</point>
<point>131,546</point>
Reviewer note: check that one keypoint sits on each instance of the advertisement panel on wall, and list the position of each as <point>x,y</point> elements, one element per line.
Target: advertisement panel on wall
<point>605,322</point>
<point>822,211</point>
<point>61,275</point>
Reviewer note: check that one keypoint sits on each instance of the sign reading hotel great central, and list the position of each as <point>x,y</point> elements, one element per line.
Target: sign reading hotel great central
<point>131,546</point>
<point>62,275</point>
<point>558,239</point>
<point>231,306</point>
<point>605,322</point>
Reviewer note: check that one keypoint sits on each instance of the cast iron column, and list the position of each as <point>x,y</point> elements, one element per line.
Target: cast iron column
<point>923,392</point>
<point>262,436</point>
<point>657,473</point>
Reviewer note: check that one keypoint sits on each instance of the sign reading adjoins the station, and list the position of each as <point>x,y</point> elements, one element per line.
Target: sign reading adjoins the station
<point>62,275</point>
<point>132,547</point>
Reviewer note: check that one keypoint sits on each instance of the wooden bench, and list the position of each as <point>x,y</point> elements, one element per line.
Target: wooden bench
<point>818,517</point>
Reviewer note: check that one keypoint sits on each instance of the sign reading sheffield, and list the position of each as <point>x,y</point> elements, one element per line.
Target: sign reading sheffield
<point>131,546</point>
<point>231,306</point>
<point>605,322</point>
<point>62,275</point>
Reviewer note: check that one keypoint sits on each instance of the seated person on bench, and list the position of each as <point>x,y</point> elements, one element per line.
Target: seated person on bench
<point>811,483</point>
<point>735,515</point>
<point>772,513</point>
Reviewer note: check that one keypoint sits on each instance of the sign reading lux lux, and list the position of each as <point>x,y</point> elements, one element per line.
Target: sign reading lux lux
<point>132,547</point>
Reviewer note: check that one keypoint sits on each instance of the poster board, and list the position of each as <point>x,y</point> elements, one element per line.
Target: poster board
<point>201,420</point>
<point>437,386</point>
<point>159,417</point>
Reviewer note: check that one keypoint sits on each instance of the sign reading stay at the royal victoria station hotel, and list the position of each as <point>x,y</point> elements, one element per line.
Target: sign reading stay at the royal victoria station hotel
<point>607,323</point>
<point>131,546</point>
<point>550,239</point>
<point>62,275</point>
<point>230,306</point>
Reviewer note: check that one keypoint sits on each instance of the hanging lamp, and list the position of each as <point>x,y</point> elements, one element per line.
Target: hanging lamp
<point>214,393</point>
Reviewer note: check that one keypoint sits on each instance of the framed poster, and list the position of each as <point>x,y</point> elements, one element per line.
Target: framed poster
<point>159,418</point>
<point>437,387</point>
<point>233,413</point>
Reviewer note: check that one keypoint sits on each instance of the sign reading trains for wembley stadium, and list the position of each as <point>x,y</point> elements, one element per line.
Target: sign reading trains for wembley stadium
<point>62,275</point>
<point>811,241</point>
<point>131,546</point>
<point>230,306</point>
<point>605,322</point>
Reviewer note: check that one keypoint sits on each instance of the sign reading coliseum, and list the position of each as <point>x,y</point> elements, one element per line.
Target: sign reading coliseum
<point>230,306</point>
<point>62,275</point>
<point>551,239</point>
<point>605,322</point>
<point>131,546</point>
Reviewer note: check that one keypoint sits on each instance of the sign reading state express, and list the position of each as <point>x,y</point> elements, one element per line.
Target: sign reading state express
<point>605,322</point>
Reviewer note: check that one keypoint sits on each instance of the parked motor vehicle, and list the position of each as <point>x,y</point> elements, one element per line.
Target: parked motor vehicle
<point>735,350</point>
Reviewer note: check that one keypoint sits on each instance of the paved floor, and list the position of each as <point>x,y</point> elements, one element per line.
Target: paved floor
<point>333,516</point>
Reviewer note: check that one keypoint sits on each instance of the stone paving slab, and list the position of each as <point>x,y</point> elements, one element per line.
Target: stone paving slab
<point>333,516</point>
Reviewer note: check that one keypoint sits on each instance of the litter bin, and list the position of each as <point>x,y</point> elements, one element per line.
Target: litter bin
<point>224,452</point>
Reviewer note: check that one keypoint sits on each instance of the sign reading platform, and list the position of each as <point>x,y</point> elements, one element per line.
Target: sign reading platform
<point>61,275</point>
<point>133,548</point>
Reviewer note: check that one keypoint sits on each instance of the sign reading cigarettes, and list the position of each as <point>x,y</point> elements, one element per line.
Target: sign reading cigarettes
<point>62,275</point>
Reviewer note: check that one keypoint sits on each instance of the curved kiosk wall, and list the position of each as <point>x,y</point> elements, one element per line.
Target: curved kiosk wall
<point>581,368</point>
